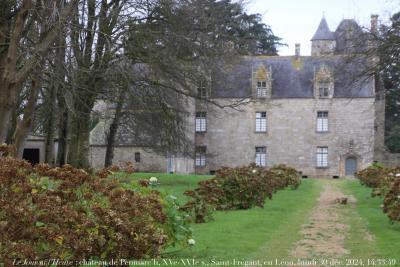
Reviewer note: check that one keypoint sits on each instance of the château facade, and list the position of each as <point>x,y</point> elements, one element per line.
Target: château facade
<point>315,113</point>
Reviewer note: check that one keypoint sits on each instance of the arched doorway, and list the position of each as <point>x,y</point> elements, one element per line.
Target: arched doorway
<point>350,166</point>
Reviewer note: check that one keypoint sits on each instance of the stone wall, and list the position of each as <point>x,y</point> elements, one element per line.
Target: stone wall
<point>291,136</point>
<point>390,159</point>
<point>322,47</point>
<point>150,161</point>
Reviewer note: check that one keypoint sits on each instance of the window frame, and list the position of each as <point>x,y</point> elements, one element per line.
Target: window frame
<point>200,122</point>
<point>261,88</point>
<point>322,125</point>
<point>322,159</point>
<point>200,156</point>
<point>261,156</point>
<point>261,122</point>
<point>202,91</point>
<point>137,157</point>
<point>323,86</point>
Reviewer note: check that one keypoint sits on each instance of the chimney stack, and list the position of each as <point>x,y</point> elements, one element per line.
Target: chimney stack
<point>297,50</point>
<point>374,23</point>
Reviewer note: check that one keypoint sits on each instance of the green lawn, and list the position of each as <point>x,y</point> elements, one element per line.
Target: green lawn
<point>245,234</point>
<point>387,235</point>
<point>174,184</point>
<point>270,232</point>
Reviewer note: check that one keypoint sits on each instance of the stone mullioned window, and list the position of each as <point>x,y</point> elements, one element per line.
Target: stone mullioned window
<point>322,157</point>
<point>200,156</point>
<point>201,122</point>
<point>261,156</point>
<point>322,121</point>
<point>261,122</point>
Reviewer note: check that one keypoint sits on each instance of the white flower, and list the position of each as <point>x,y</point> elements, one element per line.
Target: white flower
<point>398,196</point>
<point>397,174</point>
<point>254,171</point>
<point>381,206</point>
<point>191,242</point>
<point>153,180</point>
<point>173,197</point>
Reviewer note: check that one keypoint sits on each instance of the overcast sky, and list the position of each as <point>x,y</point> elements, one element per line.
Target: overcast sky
<point>296,21</point>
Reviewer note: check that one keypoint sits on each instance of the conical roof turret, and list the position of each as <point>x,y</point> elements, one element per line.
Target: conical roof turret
<point>323,32</point>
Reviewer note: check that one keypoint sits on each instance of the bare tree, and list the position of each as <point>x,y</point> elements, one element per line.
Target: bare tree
<point>18,19</point>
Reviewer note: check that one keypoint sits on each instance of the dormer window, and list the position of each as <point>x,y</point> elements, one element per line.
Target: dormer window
<point>262,82</point>
<point>323,83</point>
<point>323,89</point>
<point>261,88</point>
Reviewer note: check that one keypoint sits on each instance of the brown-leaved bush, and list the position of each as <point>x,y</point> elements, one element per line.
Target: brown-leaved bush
<point>391,204</point>
<point>238,188</point>
<point>385,182</point>
<point>69,214</point>
<point>373,176</point>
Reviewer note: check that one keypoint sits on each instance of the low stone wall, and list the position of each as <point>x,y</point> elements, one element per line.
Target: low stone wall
<point>391,159</point>
<point>150,161</point>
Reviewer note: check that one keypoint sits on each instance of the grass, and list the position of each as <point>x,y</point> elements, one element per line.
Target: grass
<point>270,232</point>
<point>174,184</point>
<point>254,233</point>
<point>387,235</point>
<point>245,234</point>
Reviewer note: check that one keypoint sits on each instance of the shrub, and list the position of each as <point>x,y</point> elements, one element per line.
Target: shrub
<point>373,176</point>
<point>391,204</point>
<point>379,178</point>
<point>66,213</point>
<point>244,187</point>
<point>385,183</point>
<point>238,188</point>
<point>286,176</point>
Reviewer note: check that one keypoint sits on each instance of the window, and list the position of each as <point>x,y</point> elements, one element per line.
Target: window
<point>322,156</point>
<point>261,88</point>
<point>200,159</point>
<point>322,121</point>
<point>202,90</point>
<point>261,121</point>
<point>323,89</point>
<point>137,156</point>
<point>201,122</point>
<point>261,156</point>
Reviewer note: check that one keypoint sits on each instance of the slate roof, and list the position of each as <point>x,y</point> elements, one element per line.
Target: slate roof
<point>323,32</point>
<point>292,78</point>
<point>350,37</point>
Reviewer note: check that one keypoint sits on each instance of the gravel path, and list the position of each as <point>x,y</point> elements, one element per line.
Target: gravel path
<point>325,233</point>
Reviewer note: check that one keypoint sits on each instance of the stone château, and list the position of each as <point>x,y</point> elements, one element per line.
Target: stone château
<point>317,113</point>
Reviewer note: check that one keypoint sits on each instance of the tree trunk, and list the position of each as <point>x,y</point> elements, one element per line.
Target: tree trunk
<point>24,126</point>
<point>112,132</point>
<point>12,126</point>
<point>62,130</point>
<point>78,155</point>
<point>8,85</point>
<point>49,127</point>
<point>57,82</point>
